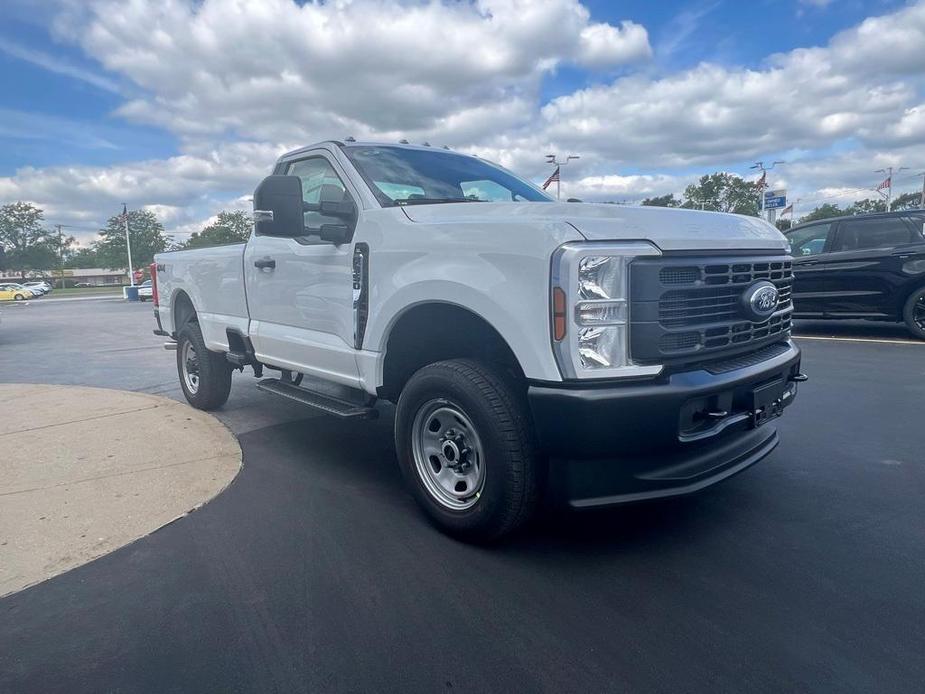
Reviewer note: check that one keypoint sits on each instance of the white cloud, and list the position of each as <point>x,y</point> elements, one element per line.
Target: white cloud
<point>275,70</point>
<point>238,82</point>
<point>179,190</point>
<point>56,65</point>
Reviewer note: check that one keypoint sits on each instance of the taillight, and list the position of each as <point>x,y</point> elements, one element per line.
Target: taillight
<point>152,268</point>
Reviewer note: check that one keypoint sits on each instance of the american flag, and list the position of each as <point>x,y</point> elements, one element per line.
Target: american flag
<point>787,210</point>
<point>552,179</point>
<point>887,183</point>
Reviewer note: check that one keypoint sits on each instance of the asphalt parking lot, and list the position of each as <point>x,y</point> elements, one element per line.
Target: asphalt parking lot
<point>314,571</point>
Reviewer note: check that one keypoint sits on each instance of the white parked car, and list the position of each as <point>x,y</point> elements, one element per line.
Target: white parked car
<point>41,287</point>
<point>144,291</point>
<point>599,354</point>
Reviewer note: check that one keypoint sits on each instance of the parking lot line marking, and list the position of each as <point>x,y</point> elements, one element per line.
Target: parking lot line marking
<point>860,339</point>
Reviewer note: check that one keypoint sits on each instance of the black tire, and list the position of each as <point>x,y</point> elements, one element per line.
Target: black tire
<point>914,313</point>
<point>213,372</point>
<point>511,477</point>
<point>18,297</point>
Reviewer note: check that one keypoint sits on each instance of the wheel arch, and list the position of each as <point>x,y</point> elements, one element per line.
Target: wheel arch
<point>433,331</point>
<point>182,309</point>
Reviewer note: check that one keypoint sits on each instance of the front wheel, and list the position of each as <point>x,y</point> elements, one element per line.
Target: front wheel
<point>914,313</point>
<point>205,376</point>
<point>465,447</point>
<point>18,297</point>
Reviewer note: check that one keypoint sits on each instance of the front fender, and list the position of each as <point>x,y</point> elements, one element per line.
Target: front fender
<point>515,308</point>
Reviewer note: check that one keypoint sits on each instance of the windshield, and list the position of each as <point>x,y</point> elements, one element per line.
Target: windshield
<point>402,176</point>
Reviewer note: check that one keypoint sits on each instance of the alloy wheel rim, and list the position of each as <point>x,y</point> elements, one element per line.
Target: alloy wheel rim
<point>448,454</point>
<point>189,361</point>
<point>918,313</point>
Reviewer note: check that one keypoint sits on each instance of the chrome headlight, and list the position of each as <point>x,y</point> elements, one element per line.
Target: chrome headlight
<point>590,309</point>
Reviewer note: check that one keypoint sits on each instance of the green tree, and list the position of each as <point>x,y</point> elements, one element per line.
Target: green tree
<point>27,244</point>
<point>147,237</point>
<point>229,227</point>
<point>662,201</point>
<point>825,211</point>
<point>907,201</point>
<point>723,192</point>
<point>783,224</point>
<point>866,206</point>
<point>82,258</point>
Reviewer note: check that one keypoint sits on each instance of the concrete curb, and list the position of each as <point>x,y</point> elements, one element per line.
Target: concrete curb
<point>84,471</point>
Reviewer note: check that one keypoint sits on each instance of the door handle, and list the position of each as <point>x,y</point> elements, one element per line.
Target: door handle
<point>265,263</point>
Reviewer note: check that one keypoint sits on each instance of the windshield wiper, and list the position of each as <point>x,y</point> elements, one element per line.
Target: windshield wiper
<point>433,201</point>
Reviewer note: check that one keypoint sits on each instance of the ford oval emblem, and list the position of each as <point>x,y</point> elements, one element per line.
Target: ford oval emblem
<point>760,300</point>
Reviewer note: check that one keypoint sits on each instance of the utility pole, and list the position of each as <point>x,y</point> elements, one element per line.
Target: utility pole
<point>128,247</point>
<point>764,175</point>
<point>922,199</point>
<point>60,228</point>
<point>551,159</point>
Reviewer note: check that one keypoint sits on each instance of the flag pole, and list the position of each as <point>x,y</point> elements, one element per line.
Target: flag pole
<point>128,247</point>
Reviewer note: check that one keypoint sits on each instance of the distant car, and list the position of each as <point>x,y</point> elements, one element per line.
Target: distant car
<point>144,291</point>
<point>14,292</point>
<point>42,287</point>
<point>35,291</point>
<point>868,266</point>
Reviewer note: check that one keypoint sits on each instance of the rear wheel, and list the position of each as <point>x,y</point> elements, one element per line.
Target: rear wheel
<point>914,313</point>
<point>465,447</point>
<point>205,376</point>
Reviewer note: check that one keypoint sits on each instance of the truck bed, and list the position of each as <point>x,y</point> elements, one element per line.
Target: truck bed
<point>213,278</point>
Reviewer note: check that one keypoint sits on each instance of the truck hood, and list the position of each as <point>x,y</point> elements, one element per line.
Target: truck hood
<point>670,229</point>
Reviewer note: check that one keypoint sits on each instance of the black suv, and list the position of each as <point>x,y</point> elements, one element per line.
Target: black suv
<point>870,266</point>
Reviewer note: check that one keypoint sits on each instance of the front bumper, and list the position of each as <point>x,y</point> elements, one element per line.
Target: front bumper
<point>610,444</point>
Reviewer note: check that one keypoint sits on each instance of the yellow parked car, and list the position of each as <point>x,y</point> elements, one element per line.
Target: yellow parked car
<point>11,292</point>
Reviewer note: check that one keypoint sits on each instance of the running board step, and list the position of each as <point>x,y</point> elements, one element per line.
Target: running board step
<point>320,401</point>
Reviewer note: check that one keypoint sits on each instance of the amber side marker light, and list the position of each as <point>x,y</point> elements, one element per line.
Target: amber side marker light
<point>558,314</point>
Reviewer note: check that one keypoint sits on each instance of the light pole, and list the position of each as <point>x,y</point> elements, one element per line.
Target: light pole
<point>764,175</point>
<point>551,159</point>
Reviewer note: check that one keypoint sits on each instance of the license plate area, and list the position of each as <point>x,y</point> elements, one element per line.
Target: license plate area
<point>767,402</point>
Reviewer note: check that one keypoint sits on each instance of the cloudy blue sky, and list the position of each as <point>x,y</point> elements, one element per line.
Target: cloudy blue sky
<point>182,106</point>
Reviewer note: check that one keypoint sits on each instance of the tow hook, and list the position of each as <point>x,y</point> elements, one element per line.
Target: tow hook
<point>799,378</point>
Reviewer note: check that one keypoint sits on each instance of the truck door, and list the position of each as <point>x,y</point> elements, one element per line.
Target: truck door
<point>808,245</point>
<point>861,268</point>
<point>300,290</point>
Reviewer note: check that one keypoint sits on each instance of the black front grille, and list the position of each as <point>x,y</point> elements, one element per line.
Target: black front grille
<point>683,307</point>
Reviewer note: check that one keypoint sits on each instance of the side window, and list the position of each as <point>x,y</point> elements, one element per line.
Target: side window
<point>809,240</point>
<point>860,234</point>
<point>319,182</point>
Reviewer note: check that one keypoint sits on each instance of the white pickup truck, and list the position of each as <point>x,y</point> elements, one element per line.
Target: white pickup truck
<point>595,354</point>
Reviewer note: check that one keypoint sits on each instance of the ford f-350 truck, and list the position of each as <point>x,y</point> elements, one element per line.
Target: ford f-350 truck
<point>596,354</point>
